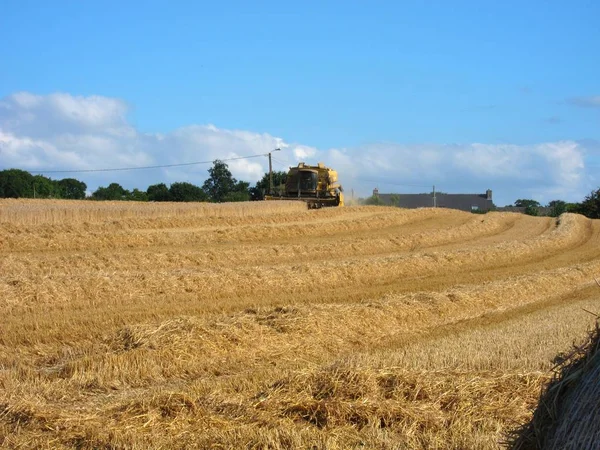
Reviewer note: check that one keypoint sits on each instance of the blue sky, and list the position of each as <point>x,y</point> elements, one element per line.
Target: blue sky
<point>374,82</point>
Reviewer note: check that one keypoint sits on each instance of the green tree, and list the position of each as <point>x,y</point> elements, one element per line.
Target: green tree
<point>138,196</point>
<point>557,207</point>
<point>261,188</point>
<point>532,210</point>
<point>16,183</point>
<point>590,206</point>
<point>186,192</point>
<point>71,188</point>
<point>236,196</point>
<point>44,187</point>
<point>220,182</point>
<point>572,207</point>
<point>395,199</point>
<point>374,200</point>
<point>158,193</point>
<point>524,203</point>
<point>240,193</point>
<point>114,191</point>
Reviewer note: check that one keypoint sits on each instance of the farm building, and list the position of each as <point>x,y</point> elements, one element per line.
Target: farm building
<point>463,202</point>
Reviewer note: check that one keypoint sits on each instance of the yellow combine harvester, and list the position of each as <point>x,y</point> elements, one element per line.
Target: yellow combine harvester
<point>316,185</point>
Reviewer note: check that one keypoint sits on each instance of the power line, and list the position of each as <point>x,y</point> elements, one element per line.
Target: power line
<point>284,164</point>
<point>144,167</point>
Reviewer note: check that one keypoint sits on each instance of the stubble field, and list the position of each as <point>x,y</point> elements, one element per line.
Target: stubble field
<point>266,325</point>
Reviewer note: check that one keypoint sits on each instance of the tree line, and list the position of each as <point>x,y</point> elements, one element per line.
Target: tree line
<point>220,186</point>
<point>15,183</point>
<point>589,206</point>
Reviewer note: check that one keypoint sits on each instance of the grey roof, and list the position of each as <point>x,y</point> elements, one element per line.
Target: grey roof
<point>464,202</point>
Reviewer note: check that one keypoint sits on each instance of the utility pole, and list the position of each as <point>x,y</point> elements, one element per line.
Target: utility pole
<point>434,198</point>
<point>271,172</point>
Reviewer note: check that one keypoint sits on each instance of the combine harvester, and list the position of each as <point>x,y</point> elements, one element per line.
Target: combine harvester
<point>316,185</point>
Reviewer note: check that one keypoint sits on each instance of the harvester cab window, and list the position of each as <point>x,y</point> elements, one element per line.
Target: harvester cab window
<point>308,180</point>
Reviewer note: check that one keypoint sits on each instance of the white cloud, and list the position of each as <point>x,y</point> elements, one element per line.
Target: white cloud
<point>60,131</point>
<point>46,116</point>
<point>303,153</point>
<point>546,171</point>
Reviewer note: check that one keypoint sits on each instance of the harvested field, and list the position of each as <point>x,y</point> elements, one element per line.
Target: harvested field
<point>568,413</point>
<point>266,325</point>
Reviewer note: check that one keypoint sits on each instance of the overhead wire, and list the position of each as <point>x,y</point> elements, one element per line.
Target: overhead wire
<point>283,163</point>
<point>159,166</point>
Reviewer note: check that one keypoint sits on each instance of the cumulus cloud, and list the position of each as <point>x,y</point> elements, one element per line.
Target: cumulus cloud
<point>545,171</point>
<point>46,116</point>
<point>61,131</point>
